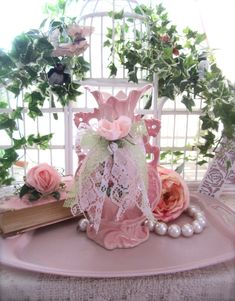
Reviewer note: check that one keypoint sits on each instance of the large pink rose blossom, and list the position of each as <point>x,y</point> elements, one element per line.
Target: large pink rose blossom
<point>115,130</point>
<point>174,197</point>
<point>44,178</point>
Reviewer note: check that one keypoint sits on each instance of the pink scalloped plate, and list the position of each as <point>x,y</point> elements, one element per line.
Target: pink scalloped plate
<point>59,249</point>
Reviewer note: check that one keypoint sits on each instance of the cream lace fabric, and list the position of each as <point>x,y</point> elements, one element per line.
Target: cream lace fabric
<point>117,173</point>
<point>220,171</point>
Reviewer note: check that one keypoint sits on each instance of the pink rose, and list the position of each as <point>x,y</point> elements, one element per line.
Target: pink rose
<point>44,178</point>
<point>115,130</point>
<point>174,197</point>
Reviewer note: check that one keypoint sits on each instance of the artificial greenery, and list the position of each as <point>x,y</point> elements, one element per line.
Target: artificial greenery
<point>25,69</point>
<point>179,62</point>
<point>34,195</point>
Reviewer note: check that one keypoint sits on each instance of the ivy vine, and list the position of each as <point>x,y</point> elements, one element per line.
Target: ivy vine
<point>184,66</point>
<point>25,68</point>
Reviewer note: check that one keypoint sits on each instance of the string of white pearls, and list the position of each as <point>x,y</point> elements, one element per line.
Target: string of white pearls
<point>187,230</point>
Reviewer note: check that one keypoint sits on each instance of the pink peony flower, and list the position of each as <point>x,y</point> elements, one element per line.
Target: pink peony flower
<point>44,178</point>
<point>115,130</point>
<point>174,197</point>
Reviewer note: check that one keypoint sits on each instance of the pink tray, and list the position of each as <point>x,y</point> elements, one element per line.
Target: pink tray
<point>58,249</point>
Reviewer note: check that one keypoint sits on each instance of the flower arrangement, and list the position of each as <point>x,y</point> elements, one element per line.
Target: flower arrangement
<point>41,181</point>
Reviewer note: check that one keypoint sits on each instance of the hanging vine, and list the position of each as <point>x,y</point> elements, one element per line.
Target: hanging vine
<point>31,67</point>
<point>184,66</point>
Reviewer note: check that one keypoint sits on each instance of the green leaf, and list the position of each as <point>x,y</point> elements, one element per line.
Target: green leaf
<point>8,124</point>
<point>18,143</point>
<point>208,122</point>
<point>200,38</point>
<point>202,162</point>
<point>42,24</point>
<point>56,195</point>
<point>9,156</point>
<point>17,113</point>
<point>180,168</point>
<point>41,141</point>
<point>113,69</point>
<point>164,154</point>
<point>3,104</point>
<point>188,102</point>
<point>133,76</point>
<point>5,59</point>
<point>116,15</point>
<point>178,153</point>
<point>109,33</point>
<point>43,45</point>
<point>34,111</point>
<point>190,33</point>
<point>34,195</point>
<point>24,190</point>
<point>107,43</point>
<point>14,87</point>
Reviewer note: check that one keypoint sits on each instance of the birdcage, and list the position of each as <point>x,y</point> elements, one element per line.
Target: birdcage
<point>109,19</point>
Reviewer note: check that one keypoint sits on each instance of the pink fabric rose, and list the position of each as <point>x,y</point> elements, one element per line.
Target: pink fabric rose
<point>174,197</point>
<point>115,130</point>
<point>44,178</point>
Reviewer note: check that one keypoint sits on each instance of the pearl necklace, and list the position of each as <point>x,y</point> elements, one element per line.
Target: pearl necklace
<point>187,230</point>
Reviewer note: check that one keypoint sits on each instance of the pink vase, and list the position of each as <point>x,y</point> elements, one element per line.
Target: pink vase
<point>129,229</point>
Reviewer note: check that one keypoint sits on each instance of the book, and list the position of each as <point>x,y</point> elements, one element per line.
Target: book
<point>19,215</point>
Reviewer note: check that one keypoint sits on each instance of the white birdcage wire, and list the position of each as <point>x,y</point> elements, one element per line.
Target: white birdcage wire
<point>96,13</point>
<point>99,15</point>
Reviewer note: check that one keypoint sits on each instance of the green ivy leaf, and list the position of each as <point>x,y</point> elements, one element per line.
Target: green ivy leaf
<point>41,141</point>
<point>14,87</point>
<point>113,69</point>
<point>18,143</point>
<point>133,76</point>
<point>8,123</point>
<point>188,102</point>
<point>34,111</point>
<point>208,122</point>
<point>3,104</point>
<point>24,190</point>
<point>190,33</point>
<point>17,113</point>
<point>107,43</point>
<point>43,45</point>
<point>9,156</point>
<point>116,15</point>
<point>202,162</point>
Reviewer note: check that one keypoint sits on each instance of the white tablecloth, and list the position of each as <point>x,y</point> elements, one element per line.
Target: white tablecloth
<point>213,283</point>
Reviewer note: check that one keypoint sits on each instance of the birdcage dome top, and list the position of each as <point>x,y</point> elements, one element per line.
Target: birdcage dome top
<point>104,17</point>
<point>102,7</point>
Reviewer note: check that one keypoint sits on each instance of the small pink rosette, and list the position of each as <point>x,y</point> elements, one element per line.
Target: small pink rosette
<point>115,130</point>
